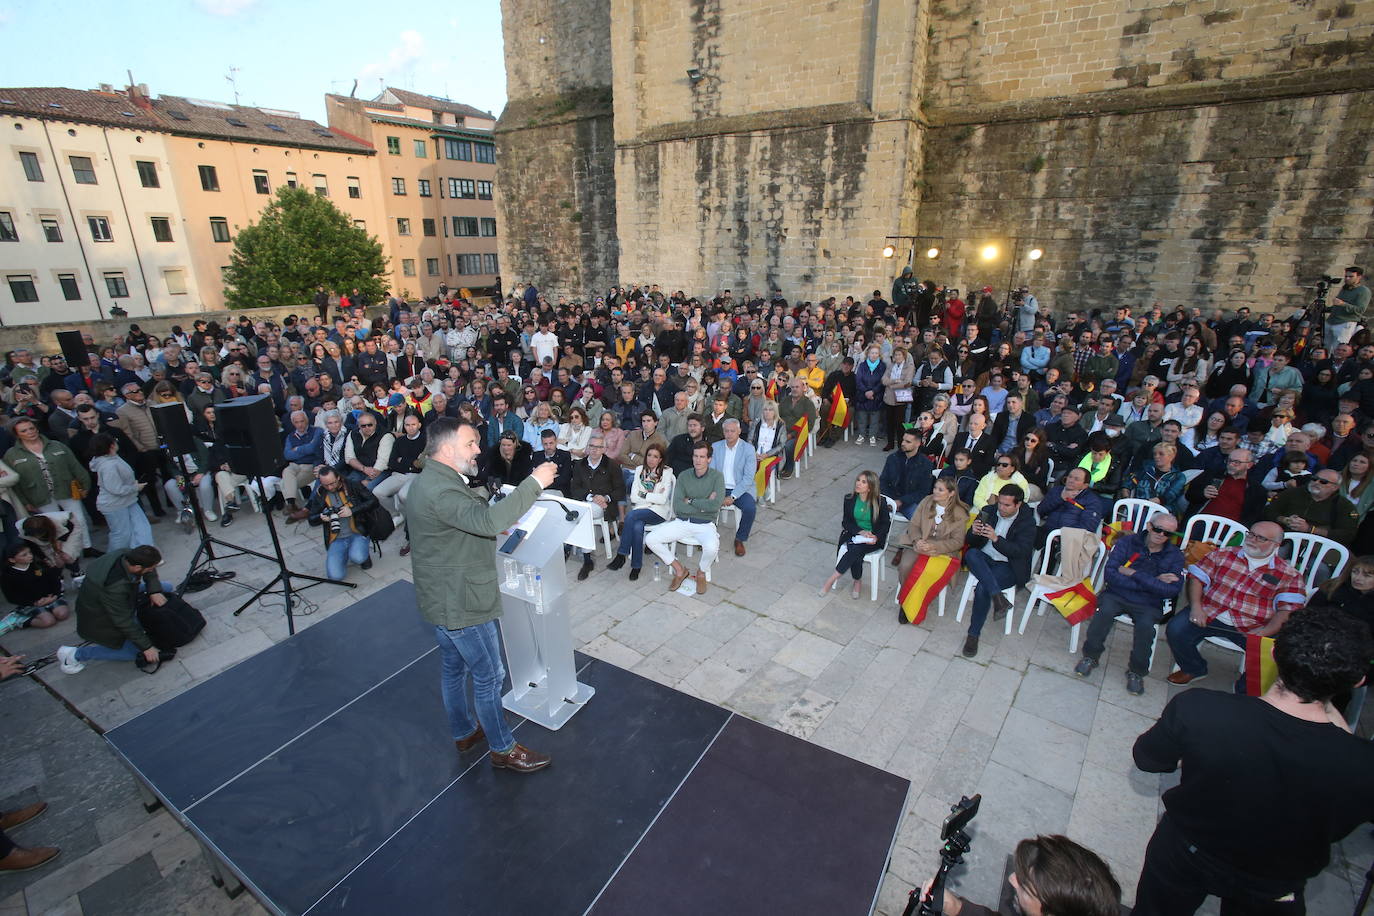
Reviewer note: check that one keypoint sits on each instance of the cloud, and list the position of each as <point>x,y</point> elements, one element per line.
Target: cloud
<point>400,59</point>
<point>226,8</point>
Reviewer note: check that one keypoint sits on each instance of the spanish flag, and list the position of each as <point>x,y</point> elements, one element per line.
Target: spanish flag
<point>764,474</point>
<point>771,389</point>
<point>839,410</point>
<point>1260,670</point>
<point>927,578</point>
<point>1076,603</point>
<point>1112,531</point>
<point>803,430</point>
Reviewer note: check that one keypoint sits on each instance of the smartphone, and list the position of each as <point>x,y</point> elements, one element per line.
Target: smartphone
<point>1217,482</point>
<point>513,541</point>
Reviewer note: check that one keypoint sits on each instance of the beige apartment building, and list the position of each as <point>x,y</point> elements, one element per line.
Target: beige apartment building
<point>110,198</point>
<point>436,163</point>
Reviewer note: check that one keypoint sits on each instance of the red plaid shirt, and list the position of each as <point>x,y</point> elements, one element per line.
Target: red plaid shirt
<point>1228,584</point>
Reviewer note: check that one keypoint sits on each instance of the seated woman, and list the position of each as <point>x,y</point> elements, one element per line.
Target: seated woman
<point>651,503</point>
<point>1034,457</point>
<point>1351,593</point>
<point>766,434</point>
<point>573,435</point>
<point>34,588</point>
<point>1159,481</point>
<point>863,529</point>
<point>1007,469</point>
<point>937,528</point>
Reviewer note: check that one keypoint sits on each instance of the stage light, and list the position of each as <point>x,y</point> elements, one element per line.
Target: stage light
<point>990,252</point>
<point>1035,254</point>
<point>932,253</point>
<point>888,251</point>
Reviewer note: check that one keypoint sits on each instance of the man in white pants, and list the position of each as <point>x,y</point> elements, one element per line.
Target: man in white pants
<point>697,497</point>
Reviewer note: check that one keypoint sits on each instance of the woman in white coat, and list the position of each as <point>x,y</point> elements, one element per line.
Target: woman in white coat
<point>651,503</point>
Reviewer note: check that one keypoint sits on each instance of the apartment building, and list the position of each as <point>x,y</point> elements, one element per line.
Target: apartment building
<point>436,161</point>
<point>111,198</point>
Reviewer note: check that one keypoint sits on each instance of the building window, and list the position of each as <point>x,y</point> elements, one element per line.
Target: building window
<point>398,187</point>
<point>147,174</point>
<point>432,266</point>
<point>291,181</point>
<point>100,229</point>
<point>162,229</point>
<point>424,187</point>
<point>261,183</point>
<point>33,169</point>
<point>360,224</point>
<point>489,227</point>
<point>466,188</point>
<point>469,264</point>
<point>321,185</point>
<point>408,267</point>
<point>219,228</point>
<point>458,149</point>
<point>209,178</point>
<point>421,152</point>
<point>175,278</point>
<point>490,264</point>
<point>486,152</point>
<point>22,288</point>
<point>51,230</point>
<point>427,227</point>
<point>115,285</point>
<point>402,226</point>
<point>70,290</point>
<point>7,231</point>
<point>393,145</point>
<point>465,226</point>
<point>355,189</point>
<point>82,169</point>
<point>484,190</point>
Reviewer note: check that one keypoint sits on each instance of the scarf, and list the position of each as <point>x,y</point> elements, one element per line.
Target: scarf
<point>872,364</point>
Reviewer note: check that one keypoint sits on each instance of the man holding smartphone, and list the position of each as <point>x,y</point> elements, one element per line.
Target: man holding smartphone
<point>1000,545</point>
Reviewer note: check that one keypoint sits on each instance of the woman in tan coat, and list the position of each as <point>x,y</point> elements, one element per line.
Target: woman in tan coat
<point>937,528</point>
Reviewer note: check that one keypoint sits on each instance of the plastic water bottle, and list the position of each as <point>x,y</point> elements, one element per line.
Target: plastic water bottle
<point>658,571</point>
<point>538,597</point>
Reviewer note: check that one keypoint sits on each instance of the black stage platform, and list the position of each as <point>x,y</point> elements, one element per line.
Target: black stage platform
<point>320,774</point>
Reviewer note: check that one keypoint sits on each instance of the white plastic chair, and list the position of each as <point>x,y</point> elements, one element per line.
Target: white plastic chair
<point>970,583</point>
<point>605,527</point>
<point>1308,553</point>
<point>1137,512</point>
<point>1210,529</point>
<point>1038,592</point>
<point>1189,476</point>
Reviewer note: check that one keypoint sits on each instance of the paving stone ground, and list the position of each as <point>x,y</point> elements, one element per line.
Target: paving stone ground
<point>1049,752</point>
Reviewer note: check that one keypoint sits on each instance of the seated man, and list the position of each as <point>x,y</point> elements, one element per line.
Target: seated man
<point>597,481</point>
<point>681,446</point>
<point>1316,508</point>
<point>368,451</point>
<point>304,451</point>
<point>1000,545</point>
<point>697,498</point>
<point>1143,571</point>
<point>340,507</point>
<point>1236,494</point>
<point>1071,504</point>
<point>908,476</point>
<point>106,609</point>
<point>794,407</point>
<point>737,462</point>
<point>560,458</point>
<point>1234,592</point>
<point>1066,438</point>
<point>979,444</point>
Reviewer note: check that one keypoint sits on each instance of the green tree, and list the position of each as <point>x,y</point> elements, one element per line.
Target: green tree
<point>301,242</point>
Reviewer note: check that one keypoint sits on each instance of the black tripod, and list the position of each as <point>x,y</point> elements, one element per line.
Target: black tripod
<point>957,843</point>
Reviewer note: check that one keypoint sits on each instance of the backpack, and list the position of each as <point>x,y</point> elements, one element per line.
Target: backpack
<point>172,625</point>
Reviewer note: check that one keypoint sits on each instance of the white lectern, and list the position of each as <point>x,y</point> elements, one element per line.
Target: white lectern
<point>534,625</point>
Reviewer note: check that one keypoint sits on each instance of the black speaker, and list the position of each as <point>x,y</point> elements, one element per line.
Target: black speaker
<point>74,349</point>
<point>249,430</point>
<point>175,428</point>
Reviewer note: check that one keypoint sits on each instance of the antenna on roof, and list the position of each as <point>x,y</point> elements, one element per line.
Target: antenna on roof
<point>232,77</point>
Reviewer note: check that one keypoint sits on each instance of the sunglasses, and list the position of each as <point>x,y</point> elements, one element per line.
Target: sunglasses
<point>1004,464</point>
<point>1158,530</point>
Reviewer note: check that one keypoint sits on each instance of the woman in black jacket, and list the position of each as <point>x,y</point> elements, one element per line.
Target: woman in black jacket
<point>863,529</point>
<point>1351,593</point>
<point>1232,372</point>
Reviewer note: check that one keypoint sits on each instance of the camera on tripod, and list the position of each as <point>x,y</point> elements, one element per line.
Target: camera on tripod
<point>1329,281</point>
<point>956,843</point>
<point>333,520</point>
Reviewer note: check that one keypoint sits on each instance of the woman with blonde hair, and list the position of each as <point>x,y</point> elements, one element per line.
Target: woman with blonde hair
<point>864,524</point>
<point>936,529</point>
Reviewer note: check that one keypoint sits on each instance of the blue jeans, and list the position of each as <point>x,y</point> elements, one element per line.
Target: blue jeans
<point>345,549</point>
<point>128,527</point>
<point>632,534</point>
<point>993,576</point>
<point>476,651</point>
<point>1143,620</point>
<point>124,653</point>
<point>369,482</point>
<point>1184,637</point>
<point>748,508</point>
<point>628,475</point>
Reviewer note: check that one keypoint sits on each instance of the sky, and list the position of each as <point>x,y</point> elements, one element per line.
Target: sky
<point>288,53</point>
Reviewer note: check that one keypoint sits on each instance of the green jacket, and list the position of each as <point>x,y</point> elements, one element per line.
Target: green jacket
<point>62,466</point>
<point>105,603</point>
<point>1335,513</point>
<point>453,545</point>
<point>790,412</point>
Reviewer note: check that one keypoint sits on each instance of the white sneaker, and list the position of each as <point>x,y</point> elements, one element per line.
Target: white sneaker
<point>858,440</point>
<point>873,441</point>
<point>398,520</point>
<point>66,660</point>
<point>211,515</point>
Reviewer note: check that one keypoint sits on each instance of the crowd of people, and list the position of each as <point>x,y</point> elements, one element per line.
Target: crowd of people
<point>1008,432</point>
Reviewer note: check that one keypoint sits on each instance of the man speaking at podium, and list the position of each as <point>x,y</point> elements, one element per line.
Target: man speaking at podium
<point>452,559</point>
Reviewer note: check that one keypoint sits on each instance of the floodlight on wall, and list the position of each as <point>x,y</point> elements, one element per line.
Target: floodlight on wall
<point>932,253</point>
<point>888,251</point>
<point>990,252</point>
<point>695,75</point>
<point>1035,254</point>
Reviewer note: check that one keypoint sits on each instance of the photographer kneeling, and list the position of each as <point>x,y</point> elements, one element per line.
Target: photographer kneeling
<point>342,508</point>
<point>1052,876</point>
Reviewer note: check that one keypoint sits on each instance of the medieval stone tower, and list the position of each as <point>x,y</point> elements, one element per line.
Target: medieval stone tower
<point>1210,152</point>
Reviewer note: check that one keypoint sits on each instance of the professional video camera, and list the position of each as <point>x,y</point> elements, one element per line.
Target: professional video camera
<point>956,843</point>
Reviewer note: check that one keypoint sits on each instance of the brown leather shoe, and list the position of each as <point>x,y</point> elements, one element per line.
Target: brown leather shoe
<point>739,547</point>
<point>678,578</point>
<point>21,859</point>
<point>701,582</point>
<point>466,744</point>
<point>297,515</point>
<point>1182,677</point>
<point>11,819</point>
<point>520,759</point>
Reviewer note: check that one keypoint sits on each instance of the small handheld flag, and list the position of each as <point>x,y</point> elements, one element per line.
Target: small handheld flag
<point>839,410</point>
<point>764,474</point>
<point>772,389</point>
<point>803,430</point>
<point>1076,603</point>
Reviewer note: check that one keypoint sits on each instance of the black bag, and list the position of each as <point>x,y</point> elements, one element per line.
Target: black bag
<point>172,625</point>
<point>378,523</point>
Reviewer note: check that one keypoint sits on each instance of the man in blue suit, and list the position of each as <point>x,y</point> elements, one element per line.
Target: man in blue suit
<point>736,461</point>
